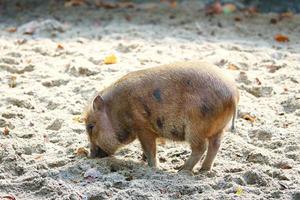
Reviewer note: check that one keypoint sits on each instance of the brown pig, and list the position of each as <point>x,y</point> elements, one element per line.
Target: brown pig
<point>184,101</point>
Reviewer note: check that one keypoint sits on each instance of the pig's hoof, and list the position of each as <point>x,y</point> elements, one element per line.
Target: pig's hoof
<point>208,172</point>
<point>185,172</point>
<point>205,169</point>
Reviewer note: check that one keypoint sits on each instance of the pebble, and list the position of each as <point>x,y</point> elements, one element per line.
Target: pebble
<point>262,134</point>
<point>55,125</point>
<point>253,177</point>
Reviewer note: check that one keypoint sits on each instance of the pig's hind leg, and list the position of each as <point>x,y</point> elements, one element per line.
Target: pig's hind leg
<point>148,142</point>
<point>213,148</point>
<point>198,150</point>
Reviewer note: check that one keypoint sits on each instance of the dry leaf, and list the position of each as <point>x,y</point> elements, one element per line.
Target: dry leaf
<point>239,191</point>
<point>38,157</point>
<point>81,151</point>
<point>286,15</point>
<point>232,67</point>
<point>215,8</point>
<point>229,8</point>
<point>258,81</point>
<point>249,118</point>
<point>78,119</point>
<point>252,10</point>
<point>74,3</point>
<point>29,31</point>
<point>106,5</point>
<point>110,59</point>
<point>281,38</point>
<point>21,41</point>
<point>173,4</point>
<point>12,82</point>
<point>272,68</point>
<point>59,46</point>
<point>8,197</point>
<point>11,29</point>
<point>285,166</point>
<point>5,131</point>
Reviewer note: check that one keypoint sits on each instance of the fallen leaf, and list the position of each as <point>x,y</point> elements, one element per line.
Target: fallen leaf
<point>74,3</point>
<point>285,166</point>
<point>59,46</point>
<point>21,41</point>
<point>8,197</point>
<point>281,38</point>
<point>12,82</point>
<point>286,15</point>
<point>29,31</point>
<point>239,191</point>
<point>215,8</point>
<point>81,151</point>
<point>273,68</point>
<point>232,67</point>
<point>5,131</point>
<point>11,29</point>
<point>249,118</point>
<point>229,8</point>
<point>173,4</point>
<point>283,185</point>
<point>126,5</point>
<point>106,5</point>
<point>110,59</point>
<point>252,10</point>
<point>258,81</point>
<point>38,157</point>
<point>78,119</point>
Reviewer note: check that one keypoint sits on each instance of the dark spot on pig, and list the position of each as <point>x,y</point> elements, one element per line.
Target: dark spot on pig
<point>123,135</point>
<point>147,110</point>
<point>178,134</point>
<point>157,94</point>
<point>189,82</point>
<point>206,108</point>
<point>160,123</point>
<point>98,153</point>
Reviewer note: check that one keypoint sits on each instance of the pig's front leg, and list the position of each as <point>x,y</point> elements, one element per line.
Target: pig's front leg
<point>148,142</point>
<point>198,150</point>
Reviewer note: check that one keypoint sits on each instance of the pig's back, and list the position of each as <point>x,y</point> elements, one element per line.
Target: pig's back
<point>176,79</point>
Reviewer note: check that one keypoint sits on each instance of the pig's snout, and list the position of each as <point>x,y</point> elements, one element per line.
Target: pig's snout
<point>97,152</point>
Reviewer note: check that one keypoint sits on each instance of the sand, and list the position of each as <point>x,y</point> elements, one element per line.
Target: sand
<point>48,75</point>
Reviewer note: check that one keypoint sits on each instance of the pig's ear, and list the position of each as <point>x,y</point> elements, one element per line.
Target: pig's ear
<point>98,103</point>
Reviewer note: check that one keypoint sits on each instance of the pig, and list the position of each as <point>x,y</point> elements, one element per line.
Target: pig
<point>189,101</point>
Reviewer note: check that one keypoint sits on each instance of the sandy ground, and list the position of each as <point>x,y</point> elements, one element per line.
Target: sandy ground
<point>46,79</point>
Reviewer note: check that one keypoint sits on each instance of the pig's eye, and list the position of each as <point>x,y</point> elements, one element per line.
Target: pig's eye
<point>90,127</point>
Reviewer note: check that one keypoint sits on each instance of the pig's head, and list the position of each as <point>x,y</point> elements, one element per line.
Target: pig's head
<point>99,129</point>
